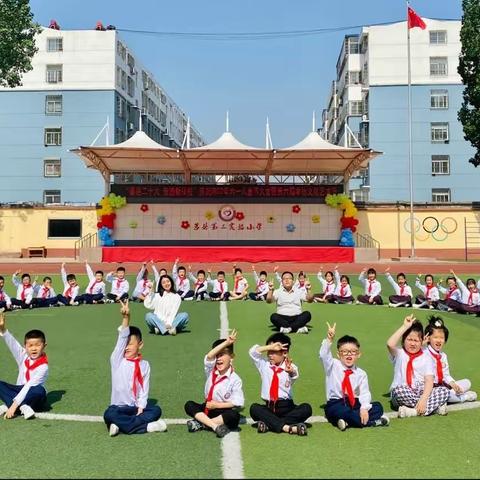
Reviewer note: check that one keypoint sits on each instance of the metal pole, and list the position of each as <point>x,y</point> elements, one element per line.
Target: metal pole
<point>410,156</point>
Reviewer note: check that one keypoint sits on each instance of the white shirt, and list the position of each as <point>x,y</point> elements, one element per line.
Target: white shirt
<point>94,287</point>
<point>240,285</point>
<point>261,285</point>
<point>447,378</point>
<point>328,287</point>
<point>119,286</point>
<point>347,291</point>
<point>455,294</point>
<point>122,375</point>
<point>264,367</point>
<point>335,373</point>
<point>433,294</point>
<point>372,288</point>
<point>27,291</point>
<point>468,297</point>
<point>289,302</point>
<point>181,283</point>
<point>38,376</point>
<point>218,287</point>
<point>42,291</point>
<point>229,390</point>
<point>198,287</point>
<point>165,307</point>
<point>405,292</point>
<point>141,286</point>
<point>5,298</point>
<point>422,366</point>
<point>68,290</point>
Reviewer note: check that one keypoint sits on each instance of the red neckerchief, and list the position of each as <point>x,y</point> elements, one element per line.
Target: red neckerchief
<point>438,360</point>
<point>90,287</point>
<point>327,287</point>
<point>45,292</point>
<point>259,284</point>
<point>215,381</point>
<point>449,292</point>
<point>470,297</point>
<point>402,290</point>
<point>23,294</point>
<point>220,282</point>
<point>343,290</point>
<point>237,281</point>
<point>427,291</point>
<point>347,389</point>
<point>370,285</point>
<point>137,374</point>
<point>119,282</point>
<point>42,360</point>
<point>411,358</point>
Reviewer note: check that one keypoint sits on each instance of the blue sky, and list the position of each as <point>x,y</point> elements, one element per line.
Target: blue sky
<point>284,79</point>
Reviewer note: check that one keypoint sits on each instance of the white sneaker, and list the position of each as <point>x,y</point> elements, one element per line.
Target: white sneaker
<point>113,431</point>
<point>156,331</point>
<point>2,310</point>
<point>416,305</point>
<point>172,331</point>
<point>285,329</point>
<point>75,304</point>
<point>342,425</point>
<point>404,412</point>
<point>303,330</point>
<point>3,410</point>
<point>442,409</point>
<point>431,307</point>
<point>27,412</point>
<point>357,302</point>
<point>468,396</point>
<point>158,426</point>
<point>109,300</point>
<point>391,305</point>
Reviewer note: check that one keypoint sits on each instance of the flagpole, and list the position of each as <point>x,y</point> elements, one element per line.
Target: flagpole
<point>410,156</point>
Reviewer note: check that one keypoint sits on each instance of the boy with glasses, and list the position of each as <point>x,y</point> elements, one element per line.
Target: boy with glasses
<point>349,401</point>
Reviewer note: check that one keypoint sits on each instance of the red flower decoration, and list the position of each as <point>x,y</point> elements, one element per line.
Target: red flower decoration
<point>185,224</point>
<point>239,216</point>
<point>296,209</point>
<point>144,208</point>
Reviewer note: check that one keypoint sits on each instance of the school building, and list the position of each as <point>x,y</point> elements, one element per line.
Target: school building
<point>82,81</point>
<point>368,106</point>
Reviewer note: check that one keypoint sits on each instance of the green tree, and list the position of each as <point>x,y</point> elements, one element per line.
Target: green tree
<point>17,41</point>
<point>469,70</point>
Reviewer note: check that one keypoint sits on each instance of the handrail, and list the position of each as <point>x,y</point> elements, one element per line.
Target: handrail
<point>89,240</point>
<point>365,240</point>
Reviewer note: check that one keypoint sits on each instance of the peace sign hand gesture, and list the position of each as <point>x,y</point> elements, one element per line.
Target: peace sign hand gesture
<point>331,331</point>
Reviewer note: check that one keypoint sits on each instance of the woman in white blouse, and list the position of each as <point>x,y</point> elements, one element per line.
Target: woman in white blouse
<point>165,304</point>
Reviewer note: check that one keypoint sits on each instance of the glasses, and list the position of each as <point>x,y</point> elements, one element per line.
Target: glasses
<point>348,352</point>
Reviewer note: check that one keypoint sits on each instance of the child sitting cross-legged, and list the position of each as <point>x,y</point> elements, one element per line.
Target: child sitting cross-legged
<point>28,394</point>
<point>278,372</point>
<point>128,411</point>
<point>349,401</point>
<point>223,392</point>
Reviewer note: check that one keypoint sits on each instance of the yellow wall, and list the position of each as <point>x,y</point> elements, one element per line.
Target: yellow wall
<point>28,227</point>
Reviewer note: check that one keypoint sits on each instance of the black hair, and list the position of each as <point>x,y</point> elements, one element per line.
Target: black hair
<point>401,274</point>
<point>279,337</point>
<point>371,270</point>
<point>25,275</point>
<point>201,271</point>
<point>263,272</point>
<point>452,278</point>
<point>429,275</point>
<point>145,273</point>
<point>135,332</point>
<point>181,267</point>
<point>416,326</point>
<point>329,272</point>
<point>120,269</point>
<point>471,280</point>
<point>35,334</point>
<point>346,278</point>
<point>347,339</point>
<point>1,278</point>
<point>238,270</point>
<point>436,323</point>
<point>220,272</point>
<point>160,289</point>
<point>163,270</point>
<point>47,278</point>
<point>71,276</point>
<point>228,349</point>
<point>99,272</point>
<point>287,273</point>
<point>301,272</point>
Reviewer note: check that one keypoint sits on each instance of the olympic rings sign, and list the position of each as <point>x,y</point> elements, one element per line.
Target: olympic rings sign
<point>431,227</point>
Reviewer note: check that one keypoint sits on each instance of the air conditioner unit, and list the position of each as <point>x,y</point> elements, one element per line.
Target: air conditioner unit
<point>131,126</point>
<point>364,118</point>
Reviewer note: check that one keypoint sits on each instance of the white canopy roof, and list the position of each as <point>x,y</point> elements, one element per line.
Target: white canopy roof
<point>226,142</point>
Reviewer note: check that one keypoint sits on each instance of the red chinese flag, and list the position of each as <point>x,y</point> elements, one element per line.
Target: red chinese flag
<point>414,20</point>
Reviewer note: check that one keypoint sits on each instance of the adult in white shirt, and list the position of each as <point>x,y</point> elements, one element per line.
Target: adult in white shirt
<point>289,316</point>
<point>165,304</point>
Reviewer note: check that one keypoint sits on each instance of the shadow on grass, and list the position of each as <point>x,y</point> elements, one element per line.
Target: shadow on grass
<point>53,397</point>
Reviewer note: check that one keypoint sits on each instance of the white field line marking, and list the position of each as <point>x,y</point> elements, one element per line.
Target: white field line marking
<point>232,462</point>
<point>182,421</point>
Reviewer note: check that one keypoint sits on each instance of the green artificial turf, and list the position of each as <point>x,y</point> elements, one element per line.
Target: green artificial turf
<point>80,341</point>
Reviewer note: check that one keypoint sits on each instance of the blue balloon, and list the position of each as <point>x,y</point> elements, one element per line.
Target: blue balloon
<point>105,236</point>
<point>346,238</point>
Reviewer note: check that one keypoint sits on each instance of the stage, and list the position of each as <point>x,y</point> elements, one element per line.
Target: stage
<point>232,254</point>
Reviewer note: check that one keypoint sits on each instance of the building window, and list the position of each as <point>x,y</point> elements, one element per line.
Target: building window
<point>438,37</point>
<point>439,132</point>
<point>124,80</point>
<point>440,165</point>
<point>54,73</point>
<point>120,107</point>
<point>53,136</point>
<point>55,44</point>
<point>356,107</point>
<point>51,196</point>
<point>59,228</point>
<point>53,105</point>
<point>353,78</point>
<point>121,50</point>
<point>438,66</point>
<point>439,99</point>
<point>52,167</point>
<point>441,195</point>
<point>130,86</point>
